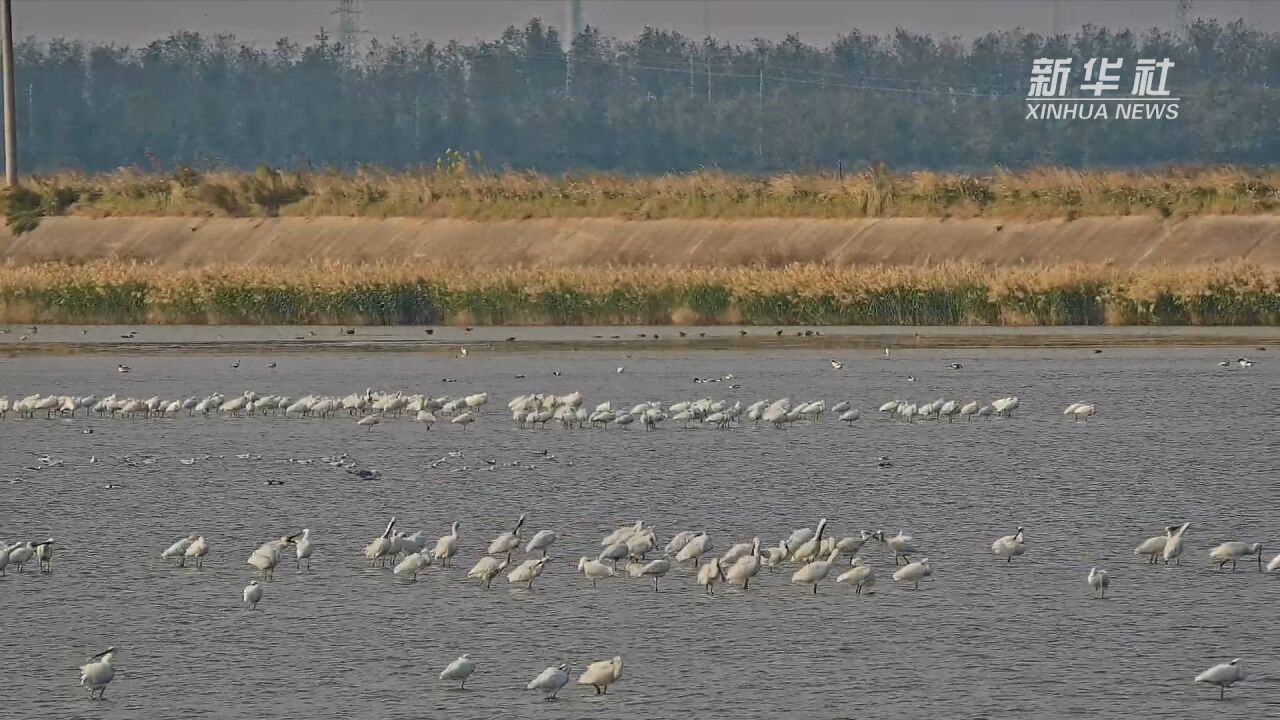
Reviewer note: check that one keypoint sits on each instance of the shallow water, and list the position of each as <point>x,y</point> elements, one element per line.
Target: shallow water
<point>1175,438</point>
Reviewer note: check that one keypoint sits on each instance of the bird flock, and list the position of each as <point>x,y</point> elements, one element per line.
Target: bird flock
<point>812,554</point>
<point>568,411</point>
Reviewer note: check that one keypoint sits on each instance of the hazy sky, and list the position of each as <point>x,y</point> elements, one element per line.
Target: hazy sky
<point>135,22</point>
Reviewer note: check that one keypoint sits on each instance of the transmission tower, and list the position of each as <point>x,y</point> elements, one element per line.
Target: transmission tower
<point>349,32</point>
<point>1183,17</point>
<point>572,22</point>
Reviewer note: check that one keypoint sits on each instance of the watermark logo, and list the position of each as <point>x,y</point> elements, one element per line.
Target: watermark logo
<point>1098,95</point>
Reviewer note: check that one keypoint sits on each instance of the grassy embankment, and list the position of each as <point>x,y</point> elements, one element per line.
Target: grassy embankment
<point>398,293</point>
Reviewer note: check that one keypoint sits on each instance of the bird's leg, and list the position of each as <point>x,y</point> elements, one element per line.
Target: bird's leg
<point>1222,692</point>
<point>745,582</point>
<point>655,583</point>
<point>1233,566</point>
<point>1224,562</point>
<point>1009,559</point>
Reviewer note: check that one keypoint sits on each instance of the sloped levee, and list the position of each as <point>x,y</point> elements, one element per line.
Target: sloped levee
<point>1122,242</point>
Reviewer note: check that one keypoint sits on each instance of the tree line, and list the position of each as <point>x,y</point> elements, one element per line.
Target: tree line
<point>656,103</point>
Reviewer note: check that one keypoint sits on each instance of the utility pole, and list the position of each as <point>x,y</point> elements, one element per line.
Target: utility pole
<point>10,105</point>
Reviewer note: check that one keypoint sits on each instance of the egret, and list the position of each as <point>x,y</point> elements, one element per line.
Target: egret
<point>460,670</point>
<point>550,680</point>
<point>303,547</point>
<point>98,672</point>
<point>447,546</point>
<point>860,576</point>
<point>252,594</point>
<point>1099,580</point>
<point>1010,546</point>
<point>1230,552</point>
<point>602,674</point>
<point>913,572</point>
<point>1224,675</point>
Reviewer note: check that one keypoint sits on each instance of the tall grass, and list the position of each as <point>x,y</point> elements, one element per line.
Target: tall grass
<point>110,292</point>
<point>455,189</point>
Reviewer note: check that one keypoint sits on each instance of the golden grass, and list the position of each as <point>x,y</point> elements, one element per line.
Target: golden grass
<point>459,191</point>
<point>799,294</point>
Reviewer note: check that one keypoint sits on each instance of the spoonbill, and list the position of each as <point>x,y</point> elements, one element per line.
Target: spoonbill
<point>594,569</point>
<point>527,571</point>
<point>1224,675</point>
<point>708,574</point>
<point>809,549</point>
<point>697,546</point>
<point>900,544</point>
<point>44,555</point>
<point>447,546</point>
<point>178,549</point>
<point>412,564</point>
<point>1099,580</point>
<point>541,540</point>
<point>1230,552</point>
<point>382,546</point>
<point>487,569</point>
<point>1173,546</point>
<point>550,681</point>
<point>773,557</point>
<point>98,672</point>
<point>197,550</point>
<point>860,576</point>
<point>745,567</point>
<point>460,670</point>
<point>1010,546</point>
<point>508,541</point>
<point>1153,547</point>
<point>815,572</point>
<point>913,572</point>
<point>602,674</point>
<point>1274,564</point>
<point>21,553</point>
<point>655,569</point>
<point>252,594</point>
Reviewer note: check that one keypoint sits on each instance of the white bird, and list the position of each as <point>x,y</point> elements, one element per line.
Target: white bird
<point>252,594</point>
<point>594,569</point>
<point>1271,566</point>
<point>20,553</point>
<point>773,557</point>
<point>412,564</point>
<point>98,672</point>
<point>900,544</point>
<point>507,541</point>
<point>837,365</point>
<point>815,572</point>
<point>709,573</point>
<point>447,546</point>
<point>460,670</point>
<point>1010,546</point>
<point>654,569</point>
<point>697,546</point>
<point>1174,545</point>
<point>1230,552</point>
<point>44,555</point>
<point>678,541</point>
<point>1099,580</point>
<point>1224,675</point>
<point>197,550</point>
<point>487,569</point>
<point>527,571</point>
<point>178,549</point>
<point>737,551</point>
<point>602,674</point>
<point>541,540</point>
<point>464,419</point>
<point>860,575</point>
<point>1153,547</point>
<point>369,421</point>
<point>1082,411</point>
<point>913,572</point>
<point>382,546</point>
<point>303,547</point>
<point>808,550</point>
<point>550,681</point>
<point>267,556</point>
<point>745,567</point>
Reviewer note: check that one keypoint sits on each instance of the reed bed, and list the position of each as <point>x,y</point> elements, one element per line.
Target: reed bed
<point>455,189</point>
<point>112,292</point>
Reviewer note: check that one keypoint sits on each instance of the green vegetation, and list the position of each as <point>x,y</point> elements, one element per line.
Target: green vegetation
<point>105,292</point>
